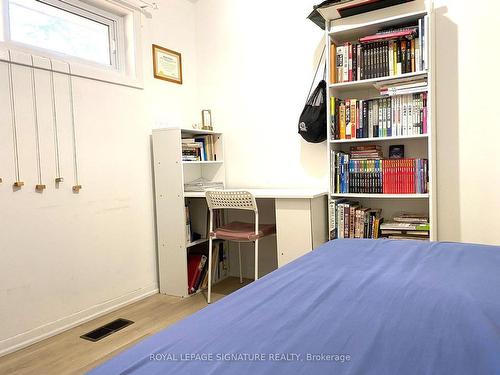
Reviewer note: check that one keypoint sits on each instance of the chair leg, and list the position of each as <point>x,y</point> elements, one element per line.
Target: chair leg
<point>256,259</point>
<point>239,257</point>
<point>209,270</point>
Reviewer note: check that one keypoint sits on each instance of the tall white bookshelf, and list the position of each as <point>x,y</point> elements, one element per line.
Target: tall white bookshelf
<point>350,29</point>
<point>170,175</point>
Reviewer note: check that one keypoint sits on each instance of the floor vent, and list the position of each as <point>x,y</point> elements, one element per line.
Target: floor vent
<point>107,329</point>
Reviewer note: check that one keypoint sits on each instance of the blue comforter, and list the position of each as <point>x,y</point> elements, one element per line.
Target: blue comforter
<point>349,307</point>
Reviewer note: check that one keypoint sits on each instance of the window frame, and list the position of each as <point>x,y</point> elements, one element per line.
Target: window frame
<point>128,44</point>
<point>113,21</point>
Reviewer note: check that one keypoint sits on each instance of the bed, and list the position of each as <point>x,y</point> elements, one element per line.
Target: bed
<point>349,307</point>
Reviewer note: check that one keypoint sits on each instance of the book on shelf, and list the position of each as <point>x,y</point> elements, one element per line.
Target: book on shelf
<point>348,219</point>
<point>377,176</point>
<point>400,115</point>
<point>407,226</point>
<point>196,263</point>
<point>199,149</point>
<point>390,52</point>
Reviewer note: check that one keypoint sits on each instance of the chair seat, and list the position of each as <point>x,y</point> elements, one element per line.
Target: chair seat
<point>238,231</point>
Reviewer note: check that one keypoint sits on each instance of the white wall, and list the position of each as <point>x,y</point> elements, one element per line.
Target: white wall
<point>65,257</point>
<point>256,62</point>
<point>467,121</point>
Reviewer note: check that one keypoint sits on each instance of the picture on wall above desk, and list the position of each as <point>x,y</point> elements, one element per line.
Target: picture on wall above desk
<point>167,64</point>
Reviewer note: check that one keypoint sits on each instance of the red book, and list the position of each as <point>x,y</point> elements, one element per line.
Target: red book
<point>412,177</point>
<point>384,176</point>
<point>196,263</point>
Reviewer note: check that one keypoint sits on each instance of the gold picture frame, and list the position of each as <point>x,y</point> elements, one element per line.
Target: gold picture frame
<point>167,64</point>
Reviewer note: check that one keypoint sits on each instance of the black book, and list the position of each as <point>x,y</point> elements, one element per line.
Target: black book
<point>354,62</point>
<point>408,56</point>
<point>361,61</point>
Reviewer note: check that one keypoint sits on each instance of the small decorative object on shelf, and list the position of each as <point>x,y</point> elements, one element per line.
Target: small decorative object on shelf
<point>397,152</point>
<point>206,118</point>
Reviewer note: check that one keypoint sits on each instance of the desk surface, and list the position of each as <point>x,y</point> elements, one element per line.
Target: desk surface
<point>273,193</point>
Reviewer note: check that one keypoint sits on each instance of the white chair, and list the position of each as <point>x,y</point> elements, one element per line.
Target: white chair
<point>236,231</point>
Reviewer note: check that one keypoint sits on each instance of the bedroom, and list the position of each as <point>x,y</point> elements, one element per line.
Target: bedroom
<point>71,258</point>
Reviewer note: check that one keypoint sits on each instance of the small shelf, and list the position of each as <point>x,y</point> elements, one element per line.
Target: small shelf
<point>198,132</point>
<point>203,162</point>
<point>197,242</point>
<point>370,83</point>
<point>379,139</point>
<point>381,196</point>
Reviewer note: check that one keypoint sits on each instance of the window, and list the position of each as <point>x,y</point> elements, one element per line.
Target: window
<point>73,29</point>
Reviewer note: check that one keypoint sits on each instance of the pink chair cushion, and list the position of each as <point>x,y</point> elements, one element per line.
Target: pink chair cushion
<point>238,231</point>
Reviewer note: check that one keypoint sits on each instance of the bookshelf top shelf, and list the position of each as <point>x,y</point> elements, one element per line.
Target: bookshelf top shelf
<point>379,139</point>
<point>370,83</point>
<point>349,30</point>
<point>381,196</point>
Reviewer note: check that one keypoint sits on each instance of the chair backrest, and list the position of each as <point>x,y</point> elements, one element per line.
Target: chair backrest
<point>231,199</point>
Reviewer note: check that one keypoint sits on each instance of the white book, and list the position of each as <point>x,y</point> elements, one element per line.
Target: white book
<point>340,64</point>
<point>345,62</point>
<point>391,58</point>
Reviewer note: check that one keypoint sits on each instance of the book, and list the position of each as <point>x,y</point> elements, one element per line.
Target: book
<point>196,262</point>
<point>399,115</point>
<point>348,219</point>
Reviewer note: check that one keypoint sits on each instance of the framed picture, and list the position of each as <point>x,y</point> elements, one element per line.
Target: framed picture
<point>167,64</point>
<point>206,119</point>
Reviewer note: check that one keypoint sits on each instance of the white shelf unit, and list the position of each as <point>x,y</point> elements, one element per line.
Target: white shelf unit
<point>170,174</point>
<point>350,29</point>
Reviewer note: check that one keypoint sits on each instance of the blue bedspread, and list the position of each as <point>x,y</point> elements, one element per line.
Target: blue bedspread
<point>350,307</point>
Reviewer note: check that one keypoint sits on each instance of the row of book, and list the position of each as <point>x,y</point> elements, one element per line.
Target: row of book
<point>349,219</point>
<point>400,115</point>
<point>389,52</point>
<point>378,176</point>
<point>201,148</point>
<point>198,267</point>
<point>407,226</point>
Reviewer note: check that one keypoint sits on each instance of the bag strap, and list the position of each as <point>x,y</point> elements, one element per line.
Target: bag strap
<point>316,73</point>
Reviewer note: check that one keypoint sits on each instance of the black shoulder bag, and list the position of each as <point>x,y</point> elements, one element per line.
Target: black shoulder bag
<point>312,122</point>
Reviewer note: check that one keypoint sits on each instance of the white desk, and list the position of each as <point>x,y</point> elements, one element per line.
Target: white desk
<point>301,222</point>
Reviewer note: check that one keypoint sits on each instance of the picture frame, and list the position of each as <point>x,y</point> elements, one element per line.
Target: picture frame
<point>206,119</point>
<point>167,64</point>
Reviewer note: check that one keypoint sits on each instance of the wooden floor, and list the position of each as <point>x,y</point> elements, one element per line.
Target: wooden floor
<point>67,353</point>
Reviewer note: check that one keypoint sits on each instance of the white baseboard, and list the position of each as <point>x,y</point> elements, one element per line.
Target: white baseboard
<point>32,336</point>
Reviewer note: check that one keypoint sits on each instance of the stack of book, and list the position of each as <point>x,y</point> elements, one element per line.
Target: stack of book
<point>402,88</point>
<point>399,115</point>
<point>191,150</point>
<point>366,152</point>
<point>389,52</point>
<point>378,176</point>
<point>199,149</point>
<point>350,220</point>
<point>407,226</point>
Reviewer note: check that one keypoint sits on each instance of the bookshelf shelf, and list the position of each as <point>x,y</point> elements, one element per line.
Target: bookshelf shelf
<point>197,242</point>
<point>346,33</point>
<point>382,196</point>
<point>379,139</point>
<point>370,83</point>
<point>203,162</point>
